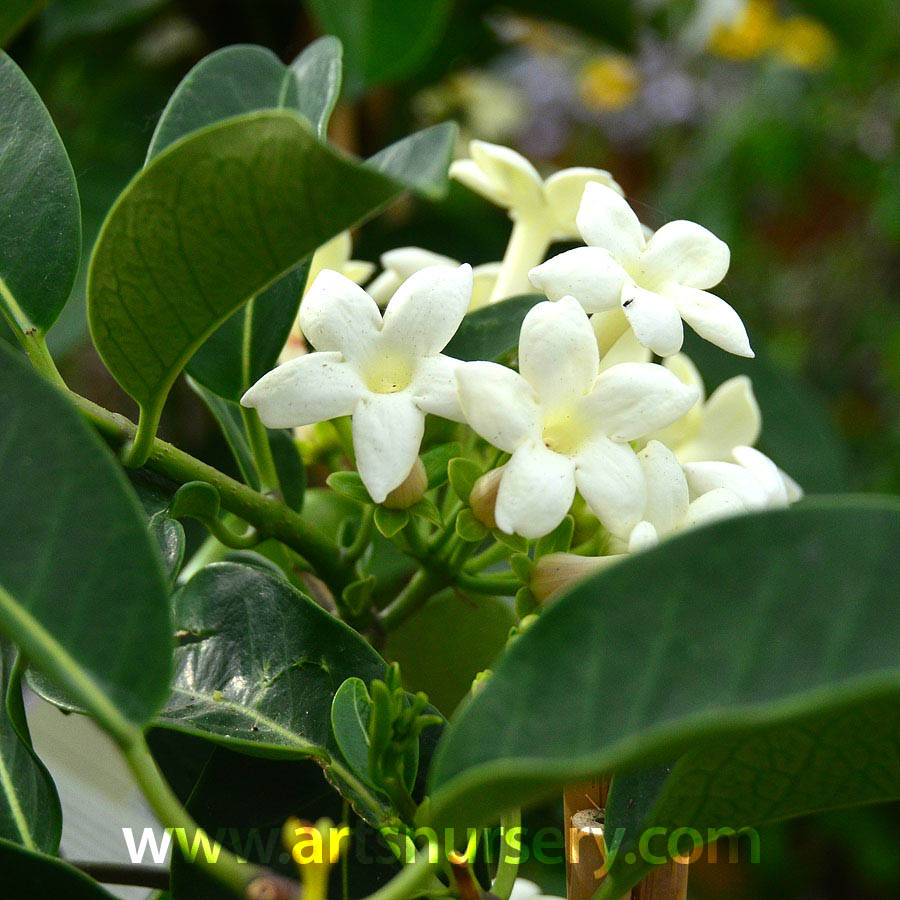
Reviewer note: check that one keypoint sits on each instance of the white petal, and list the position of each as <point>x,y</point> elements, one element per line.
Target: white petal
<point>720,503</point>
<point>611,481</point>
<point>305,390</point>
<point>631,400</point>
<point>514,178</point>
<point>682,431</point>
<point>426,310</point>
<point>523,889</point>
<point>468,172</point>
<point>333,254</point>
<point>730,418</point>
<point>563,192</point>
<point>682,366</point>
<point>626,349</point>
<point>643,536</point>
<point>667,490</point>
<point>558,353</point>
<point>608,327</point>
<point>589,274</point>
<point>433,387</point>
<point>383,287</point>
<point>707,476</point>
<point>536,491</point>
<point>406,261</point>
<point>337,314</point>
<point>684,253</point>
<point>766,473</point>
<point>713,319</point>
<point>606,220</point>
<point>498,403</point>
<point>387,433</point>
<point>794,491</point>
<point>655,319</point>
<point>484,277</point>
<point>358,270</point>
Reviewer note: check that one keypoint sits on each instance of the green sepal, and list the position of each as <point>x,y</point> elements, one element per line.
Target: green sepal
<point>526,602</point>
<point>390,521</point>
<point>522,566</point>
<point>437,460</point>
<point>469,528</point>
<point>558,541</point>
<point>513,541</point>
<point>349,484</point>
<point>426,509</point>
<point>463,473</point>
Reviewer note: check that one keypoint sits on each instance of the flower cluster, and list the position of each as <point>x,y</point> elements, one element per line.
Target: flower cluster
<point>584,411</point>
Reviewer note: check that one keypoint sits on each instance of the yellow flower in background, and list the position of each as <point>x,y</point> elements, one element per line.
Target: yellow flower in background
<point>609,82</point>
<point>804,42</point>
<point>750,35</point>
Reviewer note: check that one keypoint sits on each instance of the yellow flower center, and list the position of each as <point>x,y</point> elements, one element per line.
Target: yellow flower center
<point>565,431</point>
<point>388,374</point>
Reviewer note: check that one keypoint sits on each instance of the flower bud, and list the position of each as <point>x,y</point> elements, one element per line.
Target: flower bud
<point>315,848</point>
<point>484,497</point>
<point>411,491</point>
<point>480,680</point>
<point>555,573</point>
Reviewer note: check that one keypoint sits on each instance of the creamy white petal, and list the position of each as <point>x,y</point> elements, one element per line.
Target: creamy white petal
<point>387,433</point>
<point>589,274</point>
<point>608,327</point>
<point>766,472</point>
<point>484,277</point>
<point>707,476</point>
<point>306,390</point>
<point>684,253</point>
<point>383,286</point>
<point>611,481</point>
<point>498,403</point>
<point>719,503</point>
<point>406,261</point>
<point>523,889</point>
<point>713,319</point>
<point>536,491</point>
<point>358,270</point>
<point>337,314</point>
<point>558,353</point>
<point>513,176</point>
<point>469,173</point>
<point>333,254</point>
<point>682,431</point>
<point>730,418</point>
<point>426,309</point>
<point>626,349</point>
<point>655,319</point>
<point>794,491</point>
<point>433,386</point>
<point>631,400</point>
<point>563,191</point>
<point>683,368</point>
<point>667,490</point>
<point>606,220</point>
<point>643,537</point>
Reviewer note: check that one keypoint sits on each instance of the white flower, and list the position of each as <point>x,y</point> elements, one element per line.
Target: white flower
<point>402,262</point>
<point>523,889</point>
<point>507,179</point>
<point>384,372</point>
<point>657,282</point>
<point>334,254</point>
<point>668,507</point>
<point>714,426</point>
<point>758,482</point>
<point>567,424</point>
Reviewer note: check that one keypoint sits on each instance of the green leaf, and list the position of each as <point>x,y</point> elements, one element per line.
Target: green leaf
<point>82,587</point>
<point>213,220</point>
<point>751,627</point>
<point>227,83</point>
<point>350,714</point>
<point>492,331</point>
<point>390,521</point>
<point>289,466</point>
<point>349,484</point>
<point>155,494</point>
<point>257,663</point>
<point>15,15</point>
<point>40,216</point>
<point>436,461</point>
<point>30,813</point>
<point>427,510</point>
<point>39,877</point>
<point>72,19</point>
<point>385,40</point>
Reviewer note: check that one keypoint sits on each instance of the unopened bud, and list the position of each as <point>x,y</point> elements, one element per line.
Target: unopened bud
<point>314,848</point>
<point>479,682</point>
<point>555,573</point>
<point>411,491</point>
<point>483,498</point>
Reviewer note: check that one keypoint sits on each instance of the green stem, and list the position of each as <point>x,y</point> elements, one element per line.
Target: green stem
<point>269,516</point>
<point>424,584</point>
<point>362,538</point>
<point>224,866</point>
<point>498,585</point>
<point>508,864</point>
<point>30,337</point>
<point>262,451</point>
<point>411,880</point>
<point>493,554</point>
<point>528,242</point>
<point>358,786</point>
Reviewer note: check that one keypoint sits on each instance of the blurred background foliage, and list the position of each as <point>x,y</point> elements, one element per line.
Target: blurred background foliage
<point>775,124</point>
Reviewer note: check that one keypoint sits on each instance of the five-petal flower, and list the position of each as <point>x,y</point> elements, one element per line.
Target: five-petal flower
<point>386,373</point>
<point>566,423</point>
<point>657,282</point>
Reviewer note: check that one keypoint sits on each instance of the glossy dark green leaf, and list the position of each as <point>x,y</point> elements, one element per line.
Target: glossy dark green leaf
<point>24,873</point>
<point>213,220</point>
<point>289,466</point>
<point>71,19</point>
<point>798,431</point>
<point>736,630</point>
<point>30,814</point>
<point>82,587</point>
<point>384,40</point>
<point>155,494</point>
<point>40,217</point>
<point>492,331</point>
<point>257,663</point>
<point>15,15</point>
<point>230,82</point>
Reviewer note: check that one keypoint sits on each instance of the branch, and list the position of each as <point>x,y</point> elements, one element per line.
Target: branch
<point>156,877</point>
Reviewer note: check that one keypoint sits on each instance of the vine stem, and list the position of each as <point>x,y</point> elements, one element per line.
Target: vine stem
<point>508,864</point>
<point>268,515</point>
<point>412,598</point>
<point>262,451</point>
